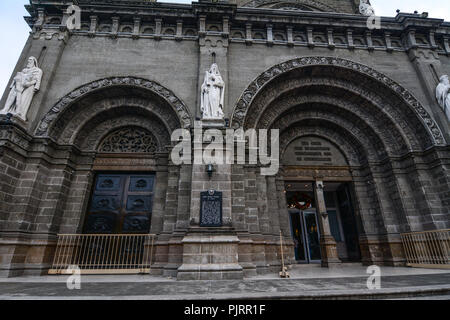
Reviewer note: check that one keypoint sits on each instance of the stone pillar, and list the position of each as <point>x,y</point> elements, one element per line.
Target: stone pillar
<point>328,246</point>
<point>181,194</point>
<point>210,253</point>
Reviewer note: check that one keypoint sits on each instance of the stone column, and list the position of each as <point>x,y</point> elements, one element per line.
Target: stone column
<point>327,243</point>
<point>210,253</point>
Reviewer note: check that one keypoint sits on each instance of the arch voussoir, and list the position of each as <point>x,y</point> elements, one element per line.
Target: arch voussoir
<point>247,99</point>
<point>50,119</point>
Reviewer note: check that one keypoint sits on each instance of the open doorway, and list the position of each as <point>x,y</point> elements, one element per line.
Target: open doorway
<point>305,224</point>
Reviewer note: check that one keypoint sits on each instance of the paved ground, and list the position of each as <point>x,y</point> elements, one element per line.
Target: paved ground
<point>306,282</point>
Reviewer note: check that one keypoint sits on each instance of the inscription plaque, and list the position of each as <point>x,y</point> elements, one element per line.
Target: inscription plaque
<point>211,209</point>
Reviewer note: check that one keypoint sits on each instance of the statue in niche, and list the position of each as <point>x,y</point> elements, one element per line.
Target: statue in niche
<point>365,8</point>
<point>25,84</point>
<point>443,95</point>
<point>213,94</point>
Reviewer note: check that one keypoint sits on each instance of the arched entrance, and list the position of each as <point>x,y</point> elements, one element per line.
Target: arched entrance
<point>116,138</point>
<point>375,124</point>
<point>312,153</point>
<point>120,129</point>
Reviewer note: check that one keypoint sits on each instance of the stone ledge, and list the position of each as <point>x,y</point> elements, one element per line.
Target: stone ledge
<point>210,239</point>
<point>222,267</point>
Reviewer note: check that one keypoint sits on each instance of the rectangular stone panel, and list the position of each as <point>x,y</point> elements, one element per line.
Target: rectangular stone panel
<point>211,209</point>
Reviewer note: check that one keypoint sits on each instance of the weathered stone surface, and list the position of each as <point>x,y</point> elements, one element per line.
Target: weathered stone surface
<point>370,95</point>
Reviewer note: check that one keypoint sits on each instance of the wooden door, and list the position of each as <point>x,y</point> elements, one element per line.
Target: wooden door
<point>120,203</point>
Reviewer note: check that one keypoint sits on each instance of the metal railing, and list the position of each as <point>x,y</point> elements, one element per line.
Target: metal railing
<point>428,249</point>
<point>103,253</point>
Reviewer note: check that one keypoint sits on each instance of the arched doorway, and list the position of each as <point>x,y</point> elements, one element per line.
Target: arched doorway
<point>376,125</point>
<point>122,201</point>
<point>116,135</point>
<point>313,153</point>
<point>119,127</point>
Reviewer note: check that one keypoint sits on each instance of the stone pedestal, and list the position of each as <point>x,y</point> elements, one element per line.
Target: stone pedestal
<point>210,254</point>
<point>213,123</point>
<point>329,252</point>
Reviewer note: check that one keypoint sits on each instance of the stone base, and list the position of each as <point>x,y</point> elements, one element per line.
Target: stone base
<point>212,123</point>
<point>383,251</point>
<point>328,249</point>
<point>9,118</point>
<point>219,271</point>
<point>210,256</point>
<point>25,255</point>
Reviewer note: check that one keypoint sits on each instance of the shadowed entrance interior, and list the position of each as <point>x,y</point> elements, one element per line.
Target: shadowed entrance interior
<point>120,203</point>
<point>305,227</point>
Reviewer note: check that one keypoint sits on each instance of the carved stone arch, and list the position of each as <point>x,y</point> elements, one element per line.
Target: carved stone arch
<point>286,5</point>
<point>375,147</point>
<point>82,95</point>
<point>128,139</point>
<point>353,149</point>
<point>429,127</point>
<point>88,119</point>
<point>94,132</point>
<point>298,91</point>
<point>313,4</point>
<point>348,146</point>
<point>324,107</point>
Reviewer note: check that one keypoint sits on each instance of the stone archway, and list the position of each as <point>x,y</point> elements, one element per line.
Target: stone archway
<point>307,4</point>
<point>76,97</point>
<point>133,111</point>
<point>347,68</point>
<point>378,125</point>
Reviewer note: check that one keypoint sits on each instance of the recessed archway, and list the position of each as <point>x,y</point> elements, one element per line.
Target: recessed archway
<point>375,122</point>
<point>385,97</point>
<point>170,107</point>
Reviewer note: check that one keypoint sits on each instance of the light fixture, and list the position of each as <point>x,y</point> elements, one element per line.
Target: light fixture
<point>209,170</point>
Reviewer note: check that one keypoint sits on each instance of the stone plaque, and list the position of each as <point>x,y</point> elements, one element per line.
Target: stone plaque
<point>211,209</point>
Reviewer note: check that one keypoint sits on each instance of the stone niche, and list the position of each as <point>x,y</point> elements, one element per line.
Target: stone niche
<point>313,151</point>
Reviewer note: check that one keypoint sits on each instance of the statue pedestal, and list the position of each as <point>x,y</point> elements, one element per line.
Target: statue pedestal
<point>213,123</point>
<point>210,254</point>
<point>10,118</point>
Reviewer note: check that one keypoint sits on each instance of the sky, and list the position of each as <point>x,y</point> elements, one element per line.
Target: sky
<point>14,30</point>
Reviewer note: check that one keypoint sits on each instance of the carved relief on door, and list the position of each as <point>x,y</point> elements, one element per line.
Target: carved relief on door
<point>120,203</point>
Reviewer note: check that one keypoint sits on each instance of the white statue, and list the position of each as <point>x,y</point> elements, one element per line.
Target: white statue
<point>23,87</point>
<point>365,8</point>
<point>443,95</point>
<point>213,94</point>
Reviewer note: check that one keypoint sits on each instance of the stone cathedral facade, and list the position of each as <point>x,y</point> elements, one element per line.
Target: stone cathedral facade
<point>87,120</point>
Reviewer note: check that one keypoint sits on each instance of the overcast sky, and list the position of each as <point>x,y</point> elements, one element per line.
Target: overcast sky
<point>14,30</point>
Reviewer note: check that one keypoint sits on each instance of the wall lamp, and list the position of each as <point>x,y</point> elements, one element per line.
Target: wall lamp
<point>209,170</point>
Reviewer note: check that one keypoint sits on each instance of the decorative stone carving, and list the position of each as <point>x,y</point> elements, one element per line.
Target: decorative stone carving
<point>129,140</point>
<point>169,96</point>
<point>263,79</point>
<point>313,4</point>
<point>349,146</point>
<point>90,135</point>
<point>443,95</point>
<point>213,94</point>
<point>77,121</point>
<point>280,113</point>
<point>25,84</point>
<point>365,8</point>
